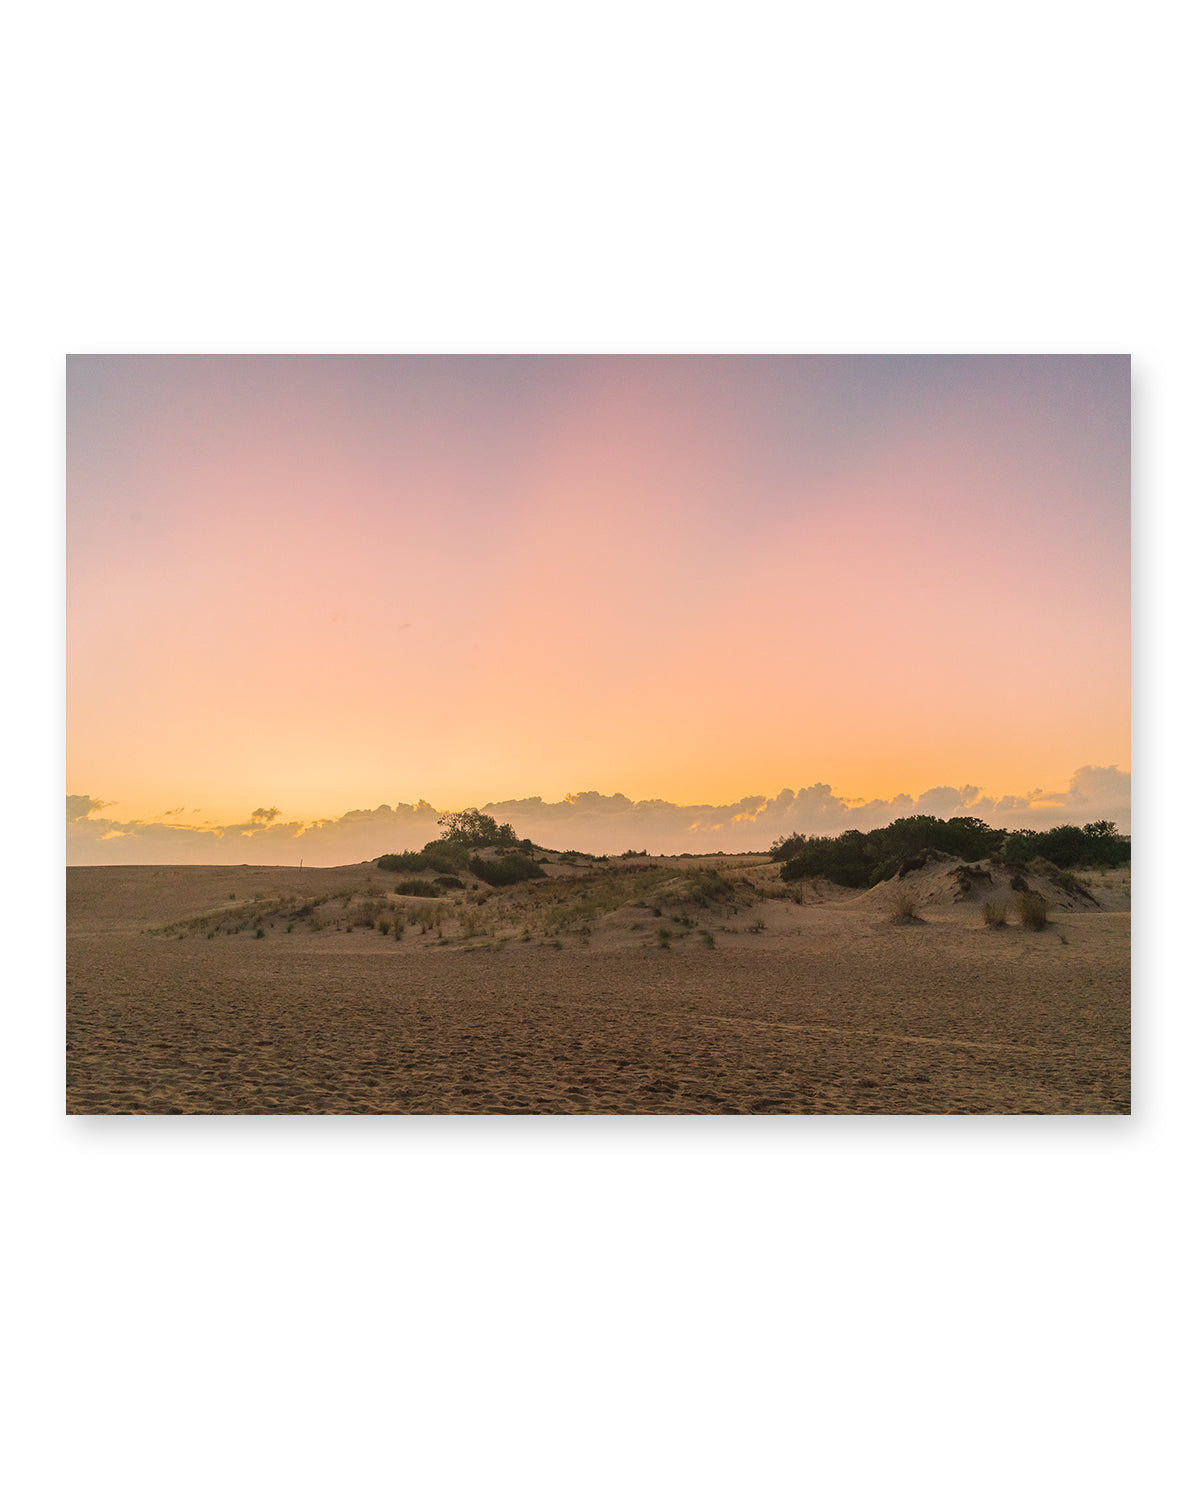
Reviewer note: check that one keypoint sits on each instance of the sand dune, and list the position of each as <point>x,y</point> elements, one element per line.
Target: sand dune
<point>636,986</point>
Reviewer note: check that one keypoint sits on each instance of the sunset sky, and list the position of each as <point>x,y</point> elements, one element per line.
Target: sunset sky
<point>307,585</point>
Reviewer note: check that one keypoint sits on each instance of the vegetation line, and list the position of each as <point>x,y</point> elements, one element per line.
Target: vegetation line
<point>864,859</point>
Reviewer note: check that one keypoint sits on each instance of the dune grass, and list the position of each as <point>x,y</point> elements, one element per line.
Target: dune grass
<point>1034,909</point>
<point>905,907</point>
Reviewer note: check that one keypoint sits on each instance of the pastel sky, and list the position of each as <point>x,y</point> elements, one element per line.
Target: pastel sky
<point>319,583</point>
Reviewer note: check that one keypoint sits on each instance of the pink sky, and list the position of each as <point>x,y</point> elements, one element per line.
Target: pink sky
<point>324,583</point>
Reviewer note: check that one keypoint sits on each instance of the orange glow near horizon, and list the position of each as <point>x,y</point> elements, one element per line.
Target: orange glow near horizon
<point>323,583</point>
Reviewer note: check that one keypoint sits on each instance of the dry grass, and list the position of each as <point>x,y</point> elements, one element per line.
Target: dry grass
<point>1034,909</point>
<point>905,907</point>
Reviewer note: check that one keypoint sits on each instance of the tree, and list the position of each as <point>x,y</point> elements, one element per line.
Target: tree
<point>474,829</point>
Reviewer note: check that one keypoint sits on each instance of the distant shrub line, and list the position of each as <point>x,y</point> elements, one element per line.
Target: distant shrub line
<point>852,858</point>
<point>864,859</point>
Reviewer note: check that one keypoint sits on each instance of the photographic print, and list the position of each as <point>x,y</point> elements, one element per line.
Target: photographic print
<point>598,734</point>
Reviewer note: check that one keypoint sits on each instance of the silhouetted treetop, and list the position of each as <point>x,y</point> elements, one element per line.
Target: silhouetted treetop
<point>474,829</point>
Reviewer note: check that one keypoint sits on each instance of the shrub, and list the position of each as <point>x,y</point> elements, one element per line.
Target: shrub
<point>995,914</point>
<point>443,857</point>
<point>418,888</point>
<point>707,886</point>
<point>859,859</point>
<point>1034,909</point>
<point>509,869</point>
<point>406,861</point>
<point>1096,844</point>
<point>848,859</point>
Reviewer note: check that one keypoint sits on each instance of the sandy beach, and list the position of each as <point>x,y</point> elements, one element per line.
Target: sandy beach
<point>761,1005</point>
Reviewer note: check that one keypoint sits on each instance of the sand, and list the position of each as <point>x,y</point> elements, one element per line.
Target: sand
<point>541,999</point>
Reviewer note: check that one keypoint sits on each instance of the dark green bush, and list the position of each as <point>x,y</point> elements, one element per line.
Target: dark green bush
<point>418,888</point>
<point>475,830</point>
<point>509,869</point>
<point>861,859</point>
<point>1095,844</point>
<point>849,859</point>
<point>440,855</point>
<point>878,854</point>
<point>406,861</point>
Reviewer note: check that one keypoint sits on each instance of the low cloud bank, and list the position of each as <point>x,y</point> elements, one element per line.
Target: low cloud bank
<point>590,821</point>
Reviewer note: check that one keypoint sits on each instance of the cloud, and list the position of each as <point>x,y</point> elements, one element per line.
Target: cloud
<point>263,838</point>
<point>1100,787</point>
<point>596,822</point>
<point>82,807</point>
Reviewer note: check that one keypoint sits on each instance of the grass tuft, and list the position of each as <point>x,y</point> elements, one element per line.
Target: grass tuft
<point>1034,909</point>
<point>904,907</point>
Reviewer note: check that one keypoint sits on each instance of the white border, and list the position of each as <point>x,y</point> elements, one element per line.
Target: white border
<point>852,1308</point>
